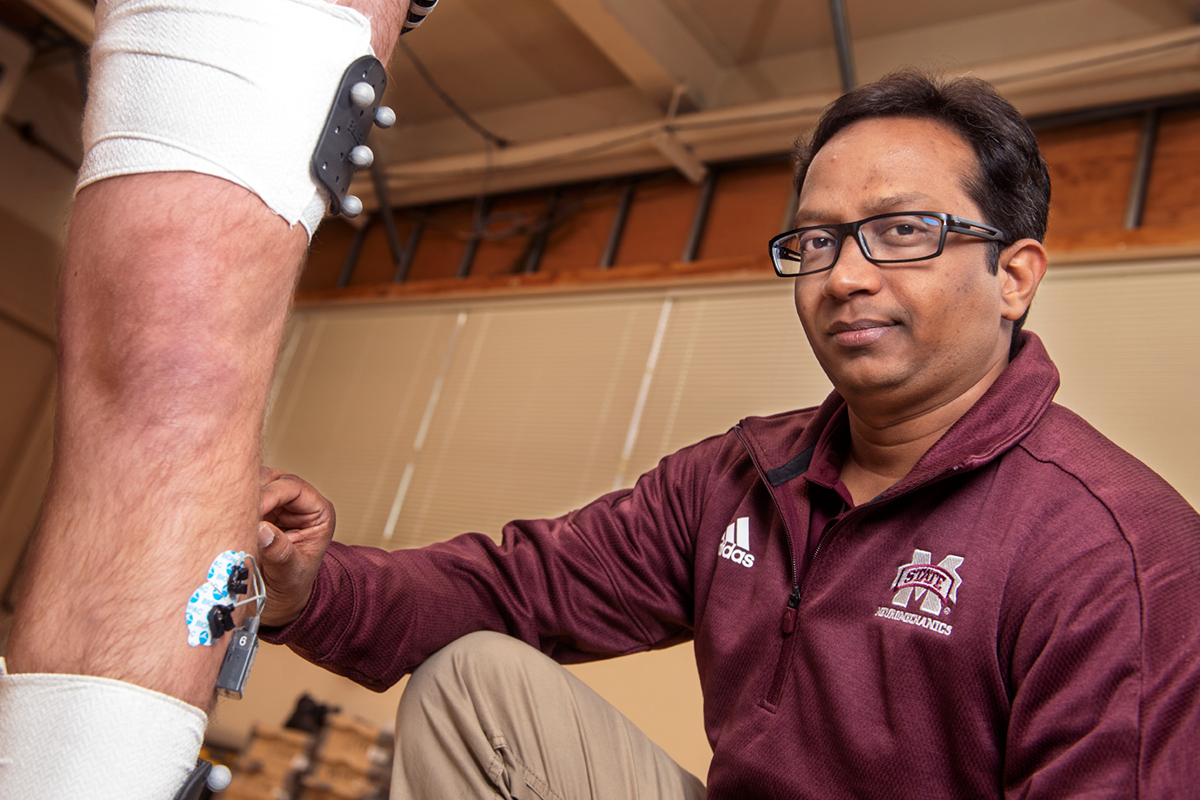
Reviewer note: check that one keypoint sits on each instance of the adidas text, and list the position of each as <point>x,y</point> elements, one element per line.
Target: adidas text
<point>735,545</point>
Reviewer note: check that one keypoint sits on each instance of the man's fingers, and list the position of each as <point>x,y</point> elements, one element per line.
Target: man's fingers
<point>274,548</point>
<point>267,474</point>
<point>274,495</point>
<point>286,573</point>
<point>290,500</point>
<point>282,490</point>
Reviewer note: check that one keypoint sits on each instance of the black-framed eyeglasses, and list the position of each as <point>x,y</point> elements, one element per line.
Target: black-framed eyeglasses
<point>894,238</point>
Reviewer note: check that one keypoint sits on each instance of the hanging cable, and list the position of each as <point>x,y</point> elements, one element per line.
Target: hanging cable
<point>458,110</point>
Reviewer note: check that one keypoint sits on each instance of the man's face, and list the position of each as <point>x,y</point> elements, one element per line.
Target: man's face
<point>899,339</point>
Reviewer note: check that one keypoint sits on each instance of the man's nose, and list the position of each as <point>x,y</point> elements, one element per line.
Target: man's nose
<point>852,272</point>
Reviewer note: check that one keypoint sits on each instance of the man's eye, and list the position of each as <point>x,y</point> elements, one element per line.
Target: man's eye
<point>813,242</point>
<point>905,231</point>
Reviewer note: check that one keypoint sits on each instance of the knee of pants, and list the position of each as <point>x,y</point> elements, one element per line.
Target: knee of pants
<point>481,665</point>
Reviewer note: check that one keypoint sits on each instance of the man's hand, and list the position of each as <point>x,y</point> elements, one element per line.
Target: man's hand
<point>297,527</point>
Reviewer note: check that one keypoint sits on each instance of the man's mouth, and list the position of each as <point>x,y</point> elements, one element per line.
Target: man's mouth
<point>860,332</point>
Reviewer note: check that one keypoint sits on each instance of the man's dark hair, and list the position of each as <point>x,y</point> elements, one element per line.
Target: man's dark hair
<point>1012,186</point>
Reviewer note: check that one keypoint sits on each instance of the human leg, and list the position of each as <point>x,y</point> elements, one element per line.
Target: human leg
<point>489,716</point>
<point>174,290</point>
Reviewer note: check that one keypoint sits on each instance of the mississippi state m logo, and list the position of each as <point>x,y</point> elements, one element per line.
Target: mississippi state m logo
<point>735,545</point>
<point>933,585</point>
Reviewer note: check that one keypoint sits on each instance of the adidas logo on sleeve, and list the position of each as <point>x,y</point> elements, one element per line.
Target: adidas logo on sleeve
<point>735,545</point>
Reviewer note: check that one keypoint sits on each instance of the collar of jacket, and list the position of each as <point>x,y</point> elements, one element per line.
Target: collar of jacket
<point>783,443</point>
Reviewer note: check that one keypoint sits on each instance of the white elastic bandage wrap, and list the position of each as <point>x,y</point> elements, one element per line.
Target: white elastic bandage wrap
<point>67,736</point>
<point>239,89</point>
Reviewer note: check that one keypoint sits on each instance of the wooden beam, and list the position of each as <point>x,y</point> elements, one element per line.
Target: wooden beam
<point>1104,64</point>
<point>721,135</point>
<point>650,45</point>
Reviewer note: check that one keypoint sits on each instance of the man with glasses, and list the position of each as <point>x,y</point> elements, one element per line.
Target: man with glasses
<point>936,583</point>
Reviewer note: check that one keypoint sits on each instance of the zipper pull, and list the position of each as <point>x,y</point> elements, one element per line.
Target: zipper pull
<point>790,613</point>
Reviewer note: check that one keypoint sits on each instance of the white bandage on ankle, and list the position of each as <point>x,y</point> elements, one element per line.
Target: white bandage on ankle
<point>239,89</point>
<point>80,736</point>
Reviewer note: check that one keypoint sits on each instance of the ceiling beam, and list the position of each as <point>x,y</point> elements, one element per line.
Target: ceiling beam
<point>647,42</point>
<point>681,156</point>
<point>703,137</point>
<point>1160,56</point>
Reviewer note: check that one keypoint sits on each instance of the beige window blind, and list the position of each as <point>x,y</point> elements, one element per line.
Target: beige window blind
<point>424,422</point>
<point>1126,338</point>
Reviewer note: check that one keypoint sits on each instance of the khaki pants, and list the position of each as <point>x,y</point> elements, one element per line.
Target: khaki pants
<point>490,717</point>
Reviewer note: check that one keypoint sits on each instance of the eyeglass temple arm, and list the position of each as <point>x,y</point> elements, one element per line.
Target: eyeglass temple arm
<point>959,225</point>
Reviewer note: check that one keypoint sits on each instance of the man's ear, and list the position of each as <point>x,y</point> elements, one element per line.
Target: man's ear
<point>1022,267</point>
